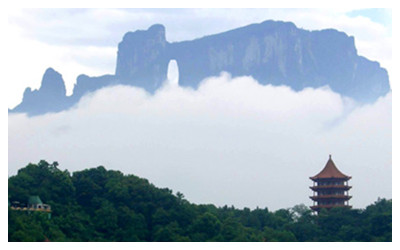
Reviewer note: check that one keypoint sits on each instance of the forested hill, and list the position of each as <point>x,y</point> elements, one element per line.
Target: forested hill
<point>106,205</point>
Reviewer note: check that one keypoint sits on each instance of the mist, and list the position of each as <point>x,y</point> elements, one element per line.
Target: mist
<point>232,141</point>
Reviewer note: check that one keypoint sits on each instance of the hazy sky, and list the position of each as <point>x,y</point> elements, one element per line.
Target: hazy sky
<point>232,141</point>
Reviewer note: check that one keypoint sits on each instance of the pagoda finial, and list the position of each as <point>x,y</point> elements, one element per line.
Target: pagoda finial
<point>330,157</point>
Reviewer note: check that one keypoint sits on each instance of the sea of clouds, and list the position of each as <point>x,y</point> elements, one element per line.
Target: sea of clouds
<point>232,141</point>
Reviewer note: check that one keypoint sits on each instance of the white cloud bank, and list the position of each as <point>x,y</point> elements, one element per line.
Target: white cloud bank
<point>232,141</point>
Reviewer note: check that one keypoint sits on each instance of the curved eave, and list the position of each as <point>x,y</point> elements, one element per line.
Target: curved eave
<point>316,178</point>
<point>330,171</point>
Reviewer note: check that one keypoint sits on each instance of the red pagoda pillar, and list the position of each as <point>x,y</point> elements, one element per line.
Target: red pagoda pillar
<point>330,188</point>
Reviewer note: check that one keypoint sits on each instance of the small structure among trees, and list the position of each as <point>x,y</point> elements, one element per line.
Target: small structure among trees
<point>330,188</point>
<point>34,204</point>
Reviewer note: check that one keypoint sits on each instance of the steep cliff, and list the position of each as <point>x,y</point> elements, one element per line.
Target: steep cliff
<point>273,52</point>
<point>142,58</point>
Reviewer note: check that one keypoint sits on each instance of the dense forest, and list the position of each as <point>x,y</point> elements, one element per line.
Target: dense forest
<point>106,205</point>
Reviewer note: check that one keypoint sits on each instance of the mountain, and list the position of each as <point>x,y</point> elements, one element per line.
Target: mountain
<point>272,52</point>
<point>51,96</point>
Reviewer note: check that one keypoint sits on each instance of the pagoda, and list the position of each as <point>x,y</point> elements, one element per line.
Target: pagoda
<point>330,188</point>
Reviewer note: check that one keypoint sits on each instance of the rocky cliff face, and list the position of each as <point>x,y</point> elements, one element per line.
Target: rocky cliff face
<point>50,97</point>
<point>272,52</point>
<point>142,58</point>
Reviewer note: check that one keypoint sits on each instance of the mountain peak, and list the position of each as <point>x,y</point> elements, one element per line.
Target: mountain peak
<point>53,83</point>
<point>155,32</point>
<point>157,28</point>
<point>50,97</point>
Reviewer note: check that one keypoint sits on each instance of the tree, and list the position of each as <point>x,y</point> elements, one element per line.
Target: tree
<point>105,205</point>
<point>206,226</point>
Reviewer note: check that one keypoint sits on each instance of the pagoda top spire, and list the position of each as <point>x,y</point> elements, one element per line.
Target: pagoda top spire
<point>330,171</point>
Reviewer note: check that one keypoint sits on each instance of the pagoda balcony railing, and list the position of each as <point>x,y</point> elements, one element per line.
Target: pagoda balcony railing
<point>317,207</point>
<point>330,196</point>
<point>343,187</point>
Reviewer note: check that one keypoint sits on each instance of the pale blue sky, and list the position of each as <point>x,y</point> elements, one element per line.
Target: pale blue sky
<point>378,15</point>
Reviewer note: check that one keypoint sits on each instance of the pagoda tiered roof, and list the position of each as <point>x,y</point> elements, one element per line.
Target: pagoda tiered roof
<point>330,171</point>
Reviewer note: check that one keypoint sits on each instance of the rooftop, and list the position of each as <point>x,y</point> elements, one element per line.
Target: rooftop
<point>34,199</point>
<point>330,171</point>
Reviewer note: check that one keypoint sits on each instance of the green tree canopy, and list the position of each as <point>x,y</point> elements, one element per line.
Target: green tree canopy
<point>105,205</point>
